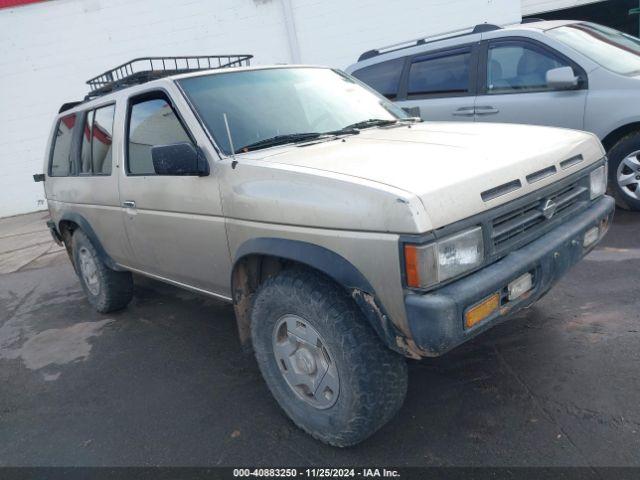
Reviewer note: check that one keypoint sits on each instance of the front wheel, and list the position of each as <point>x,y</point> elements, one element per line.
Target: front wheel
<point>323,363</point>
<point>624,172</point>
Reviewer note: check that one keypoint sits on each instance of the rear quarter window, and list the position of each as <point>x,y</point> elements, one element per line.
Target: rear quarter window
<point>383,77</point>
<point>61,155</point>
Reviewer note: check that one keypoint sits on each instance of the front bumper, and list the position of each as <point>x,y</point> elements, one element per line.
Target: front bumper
<point>436,319</point>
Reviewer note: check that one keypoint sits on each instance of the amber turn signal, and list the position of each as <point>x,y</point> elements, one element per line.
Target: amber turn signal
<point>482,310</point>
<point>411,266</point>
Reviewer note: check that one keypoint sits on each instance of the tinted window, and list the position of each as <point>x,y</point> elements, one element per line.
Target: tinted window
<point>383,77</point>
<point>95,155</point>
<point>102,136</point>
<point>441,74</point>
<point>517,67</point>
<point>61,157</point>
<point>152,122</point>
<point>85,155</point>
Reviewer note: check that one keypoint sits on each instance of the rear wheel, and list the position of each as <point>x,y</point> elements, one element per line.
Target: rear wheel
<point>322,361</point>
<point>624,172</point>
<point>106,289</point>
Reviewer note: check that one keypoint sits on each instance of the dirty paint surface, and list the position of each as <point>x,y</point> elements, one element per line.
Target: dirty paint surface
<point>165,381</point>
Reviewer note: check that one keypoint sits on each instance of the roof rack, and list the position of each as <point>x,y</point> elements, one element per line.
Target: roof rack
<point>142,70</point>
<point>483,27</point>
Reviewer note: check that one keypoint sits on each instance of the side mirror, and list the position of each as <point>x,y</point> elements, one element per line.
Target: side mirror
<point>179,159</point>
<point>562,78</point>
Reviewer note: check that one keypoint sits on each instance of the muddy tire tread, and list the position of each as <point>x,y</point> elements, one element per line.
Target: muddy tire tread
<point>116,288</point>
<point>380,374</point>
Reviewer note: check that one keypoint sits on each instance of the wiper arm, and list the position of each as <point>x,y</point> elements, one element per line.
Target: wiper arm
<point>342,131</point>
<point>294,138</point>
<point>352,129</point>
<point>372,122</point>
<point>411,120</point>
<point>278,140</point>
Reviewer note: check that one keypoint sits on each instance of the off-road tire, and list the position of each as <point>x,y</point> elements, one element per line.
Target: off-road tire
<point>115,288</point>
<point>626,145</point>
<point>373,379</point>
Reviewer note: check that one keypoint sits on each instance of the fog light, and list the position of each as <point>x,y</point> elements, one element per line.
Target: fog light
<point>520,285</point>
<point>591,237</point>
<point>482,310</point>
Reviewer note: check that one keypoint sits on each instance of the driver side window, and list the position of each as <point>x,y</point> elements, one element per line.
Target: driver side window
<point>151,122</point>
<point>517,67</point>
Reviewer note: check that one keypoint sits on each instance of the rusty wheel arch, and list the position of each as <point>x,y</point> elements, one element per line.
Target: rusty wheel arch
<point>252,270</point>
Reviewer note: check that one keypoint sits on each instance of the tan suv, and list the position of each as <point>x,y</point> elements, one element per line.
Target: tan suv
<point>346,234</point>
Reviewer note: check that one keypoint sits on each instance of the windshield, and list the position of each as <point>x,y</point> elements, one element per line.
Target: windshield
<point>263,104</point>
<point>614,50</point>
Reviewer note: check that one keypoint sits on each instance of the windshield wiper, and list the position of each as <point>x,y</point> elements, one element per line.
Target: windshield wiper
<point>294,138</point>
<point>372,122</point>
<point>279,140</point>
<point>353,129</point>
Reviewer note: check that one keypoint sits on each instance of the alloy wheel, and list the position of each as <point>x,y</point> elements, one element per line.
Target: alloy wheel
<point>628,175</point>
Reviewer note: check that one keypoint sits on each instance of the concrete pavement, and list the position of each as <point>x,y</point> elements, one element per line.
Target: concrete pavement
<point>25,240</point>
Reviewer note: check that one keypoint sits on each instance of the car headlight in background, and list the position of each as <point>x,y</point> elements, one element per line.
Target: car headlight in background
<point>598,181</point>
<point>427,265</point>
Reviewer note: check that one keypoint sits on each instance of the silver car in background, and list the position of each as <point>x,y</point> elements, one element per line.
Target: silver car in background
<point>568,74</point>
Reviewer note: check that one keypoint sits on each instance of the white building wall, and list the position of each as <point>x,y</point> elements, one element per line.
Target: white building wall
<point>335,32</point>
<point>49,49</point>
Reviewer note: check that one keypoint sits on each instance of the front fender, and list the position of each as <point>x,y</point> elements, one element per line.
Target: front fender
<point>314,256</point>
<point>334,266</point>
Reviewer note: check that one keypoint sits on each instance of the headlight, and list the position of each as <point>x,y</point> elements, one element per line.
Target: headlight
<point>427,265</point>
<point>598,181</point>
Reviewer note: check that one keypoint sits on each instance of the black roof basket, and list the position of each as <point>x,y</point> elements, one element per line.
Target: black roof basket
<point>142,70</point>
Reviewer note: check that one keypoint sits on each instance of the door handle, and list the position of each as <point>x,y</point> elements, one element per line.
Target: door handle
<point>486,110</point>
<point>129,204</point>
<point>464,112</point>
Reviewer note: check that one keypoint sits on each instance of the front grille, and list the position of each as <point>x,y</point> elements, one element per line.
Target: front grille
<point>528,221</point>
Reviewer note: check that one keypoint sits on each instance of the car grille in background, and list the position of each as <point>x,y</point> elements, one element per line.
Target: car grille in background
<point>529,219</point>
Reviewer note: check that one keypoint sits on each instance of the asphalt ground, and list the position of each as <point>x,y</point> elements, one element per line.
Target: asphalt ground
<point>166,383</point>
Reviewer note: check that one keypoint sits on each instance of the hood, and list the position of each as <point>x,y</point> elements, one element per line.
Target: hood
<point>448,165</point>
